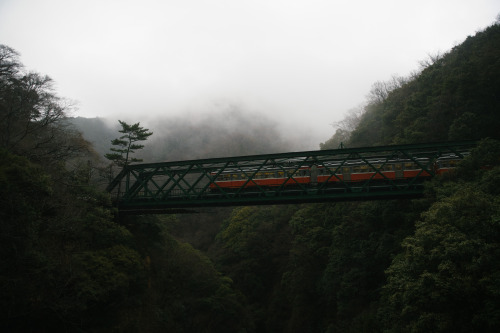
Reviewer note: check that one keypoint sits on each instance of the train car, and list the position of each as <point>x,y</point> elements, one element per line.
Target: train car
<point>269,177</point>
<point>445,164</point>
<point>333,173</point>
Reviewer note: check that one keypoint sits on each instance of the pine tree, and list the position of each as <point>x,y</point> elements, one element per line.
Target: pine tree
<point>126,144</point>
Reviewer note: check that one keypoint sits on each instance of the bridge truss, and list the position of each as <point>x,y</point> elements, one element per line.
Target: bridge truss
<point>162,187</point>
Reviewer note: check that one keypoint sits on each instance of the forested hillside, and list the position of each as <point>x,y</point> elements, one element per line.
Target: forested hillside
<point>455,97</point>
<point>69,263</point>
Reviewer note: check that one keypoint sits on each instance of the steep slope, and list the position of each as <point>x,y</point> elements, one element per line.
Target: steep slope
<point>455,98</point>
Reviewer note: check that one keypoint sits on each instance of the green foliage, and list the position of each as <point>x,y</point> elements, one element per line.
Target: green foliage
<point>126,143</point>
<point>24,190</point>
<point>22,184</point>
<point>62,258</point>
<point>453,98</point>
<point>105,275</point>
<point>337,262</point>
<point>483,157</point>
<point>252,249</point>
<point>307,259</point>
<point>465,126</point>
<point>185,292</point>
<point>446,280</point>
<point>328,272</point>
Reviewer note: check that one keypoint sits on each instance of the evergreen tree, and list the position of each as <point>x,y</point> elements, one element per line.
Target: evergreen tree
<point>126,144</point>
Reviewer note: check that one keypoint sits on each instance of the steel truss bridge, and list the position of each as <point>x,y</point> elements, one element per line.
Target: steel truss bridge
<point>173,186</point>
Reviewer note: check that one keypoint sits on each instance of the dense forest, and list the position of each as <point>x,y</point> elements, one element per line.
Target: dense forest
<point>69,263</point>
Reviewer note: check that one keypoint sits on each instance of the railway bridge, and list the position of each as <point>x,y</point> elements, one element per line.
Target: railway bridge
<point>367,173</point>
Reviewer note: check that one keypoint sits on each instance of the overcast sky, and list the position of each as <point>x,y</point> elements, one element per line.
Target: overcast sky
<point>305,63</point>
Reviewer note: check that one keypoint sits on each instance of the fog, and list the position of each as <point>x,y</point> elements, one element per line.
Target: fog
<point>232,131</point>
<point>299,64</point>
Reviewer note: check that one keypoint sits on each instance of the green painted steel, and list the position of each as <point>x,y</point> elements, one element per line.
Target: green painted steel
<point>159,187</point>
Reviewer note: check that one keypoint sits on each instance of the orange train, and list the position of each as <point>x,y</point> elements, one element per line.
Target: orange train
<point>358,171</point>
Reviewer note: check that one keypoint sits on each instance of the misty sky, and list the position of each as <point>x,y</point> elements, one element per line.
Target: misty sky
<point>304,63</point>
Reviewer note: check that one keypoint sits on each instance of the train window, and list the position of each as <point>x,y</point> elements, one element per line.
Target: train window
<point>398,166</point>
<point>281,174</point>
<point>361,169</point>
<point>388,167</point>
<point>448,164</point>
<point>346,170</point>
<point>411,166</point>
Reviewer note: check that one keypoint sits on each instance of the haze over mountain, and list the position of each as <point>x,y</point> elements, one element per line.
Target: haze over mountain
<point>226,132</point>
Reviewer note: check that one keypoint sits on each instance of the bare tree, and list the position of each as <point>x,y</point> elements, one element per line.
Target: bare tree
<point>32,117</point>
<point>430,60</point>
<point>351,120</point>
<point>381,89</point>
<point>344,128</point>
